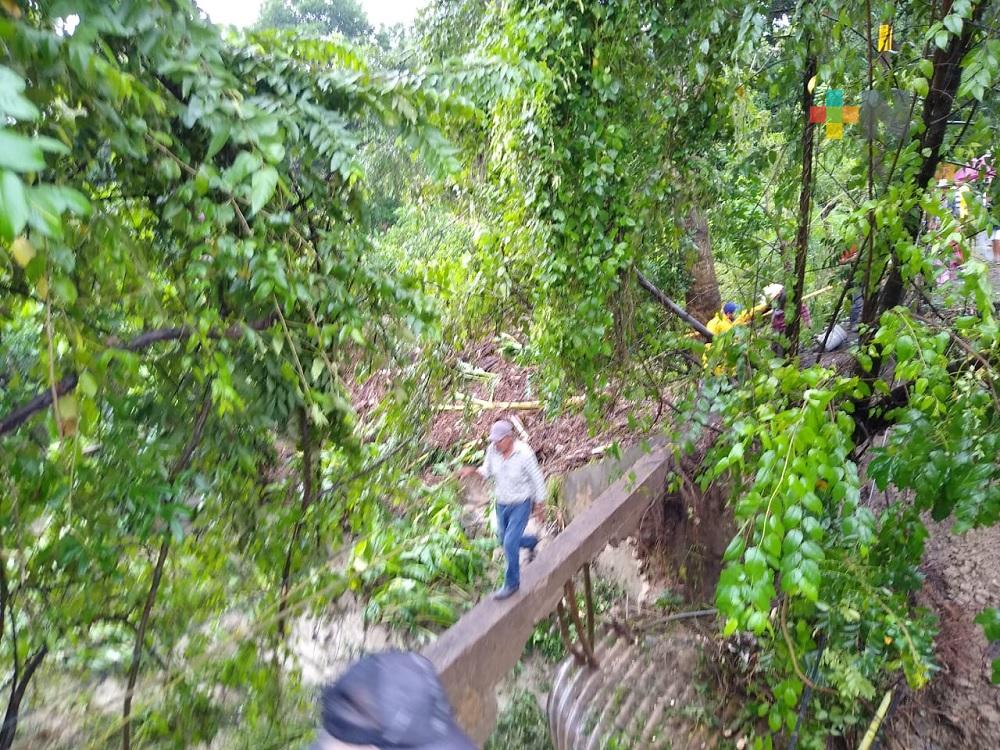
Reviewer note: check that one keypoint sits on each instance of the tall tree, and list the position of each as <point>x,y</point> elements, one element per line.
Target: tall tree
<point>185,253</point>
<point>316,17</point>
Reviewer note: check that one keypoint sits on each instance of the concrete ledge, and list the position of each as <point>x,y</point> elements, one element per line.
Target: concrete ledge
<point>481,649</point>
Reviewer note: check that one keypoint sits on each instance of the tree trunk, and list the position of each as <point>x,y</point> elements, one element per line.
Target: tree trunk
<point>937,110</point>
<point>307,496</point>
<point>793,302</point>
<point>703,299</point>
<point>18,686</point>
<point>180,465</point>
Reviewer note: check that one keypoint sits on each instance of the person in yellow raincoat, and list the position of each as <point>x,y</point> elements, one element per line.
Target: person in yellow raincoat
<point>730,316</point>
<point>724,319</point>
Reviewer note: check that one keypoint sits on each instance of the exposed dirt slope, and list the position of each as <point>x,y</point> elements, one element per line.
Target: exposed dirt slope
<point>960,708</point>
<point>562,442</point>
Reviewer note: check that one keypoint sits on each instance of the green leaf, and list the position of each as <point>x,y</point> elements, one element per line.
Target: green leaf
<point>905,347</point>
<point>64,289</point>
<point>789,696</point>
<point>812,550</point>
<point>12,102</point>
<point>45,211</point>
<point>273,151</point>
<point>921,87</point>
<point>19,153</point>
<point>13,206</point>
<point>926,68</point>
<point>792,541</point>
<point>953,23</point>
<point>73,200</point>
<point>755,563</point>
<point>246,163</point>
<point>219,138</point>
<point>990,620</point>
<point>168,169</point>
<point>941,39</point>
<point>87,384</point>
<point>735,548</point>
<point>51,145</point>
<point>262,188</point>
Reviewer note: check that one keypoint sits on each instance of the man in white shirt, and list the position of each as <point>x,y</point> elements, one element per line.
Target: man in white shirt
<point>518,484</point>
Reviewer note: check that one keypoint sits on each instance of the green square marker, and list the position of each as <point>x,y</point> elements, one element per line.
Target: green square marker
<point>835,98</point>
<point>834,114</point>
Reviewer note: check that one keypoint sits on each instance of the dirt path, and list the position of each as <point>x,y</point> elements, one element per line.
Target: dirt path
<point>960,708</point>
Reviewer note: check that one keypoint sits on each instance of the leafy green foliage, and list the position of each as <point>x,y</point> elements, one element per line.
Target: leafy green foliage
<point>837,573</point>
<point>522,724</point>
<point>192,235</point>
<point>413,570</point>
<point>990,620</point>
<point>209,242</point>
<point>586,149</point>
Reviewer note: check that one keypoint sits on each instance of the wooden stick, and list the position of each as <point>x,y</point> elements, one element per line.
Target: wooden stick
<point>519,426</point>
<point>809,296</point>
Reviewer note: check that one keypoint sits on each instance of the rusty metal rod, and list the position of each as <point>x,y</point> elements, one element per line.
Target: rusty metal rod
<point>574,612</point>
<point>565,636</point>
<point>588,591</point>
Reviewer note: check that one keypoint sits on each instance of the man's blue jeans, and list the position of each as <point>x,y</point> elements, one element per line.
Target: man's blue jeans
<point>512,519</point>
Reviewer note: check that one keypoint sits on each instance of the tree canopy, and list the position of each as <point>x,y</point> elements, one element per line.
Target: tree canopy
<point>316,17</point>
<point>212,243</point>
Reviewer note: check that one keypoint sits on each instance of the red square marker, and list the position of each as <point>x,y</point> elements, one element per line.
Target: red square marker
<point>817,114</point>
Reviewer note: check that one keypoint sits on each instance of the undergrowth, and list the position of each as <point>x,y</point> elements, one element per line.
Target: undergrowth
<point>522,725</point>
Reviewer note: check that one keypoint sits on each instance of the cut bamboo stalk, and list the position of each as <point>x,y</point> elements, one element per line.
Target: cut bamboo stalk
<point>483,404</point>
<point>872,732</point>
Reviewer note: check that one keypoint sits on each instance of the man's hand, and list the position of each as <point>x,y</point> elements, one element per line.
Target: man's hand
<point>465,472</point>
<point>539,512</point>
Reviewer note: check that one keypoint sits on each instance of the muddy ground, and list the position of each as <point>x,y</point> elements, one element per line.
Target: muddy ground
<point>961,707</point>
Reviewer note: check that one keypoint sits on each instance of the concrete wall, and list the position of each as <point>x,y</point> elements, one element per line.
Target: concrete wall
<point>619,563</point>
<point>581,486</point>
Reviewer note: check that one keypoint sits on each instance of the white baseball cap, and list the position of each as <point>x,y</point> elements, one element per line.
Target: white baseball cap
<point>500,430</point>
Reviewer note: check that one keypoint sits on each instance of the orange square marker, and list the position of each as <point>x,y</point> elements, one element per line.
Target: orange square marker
<point>851,115</point>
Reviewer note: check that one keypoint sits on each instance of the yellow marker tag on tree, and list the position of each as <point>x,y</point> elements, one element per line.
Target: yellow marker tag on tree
<point>835,131</point>
<point>885,38</point>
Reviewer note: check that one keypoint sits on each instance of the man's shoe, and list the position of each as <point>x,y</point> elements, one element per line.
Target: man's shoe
<point>504,593</point>
<point>532,554</point>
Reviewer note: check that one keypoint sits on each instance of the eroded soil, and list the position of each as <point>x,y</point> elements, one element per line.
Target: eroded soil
<point>961,707</point>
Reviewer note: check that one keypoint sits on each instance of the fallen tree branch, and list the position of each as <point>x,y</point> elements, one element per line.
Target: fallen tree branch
<point>18,416</point>
<point>676,309</point>
<point>479,403</point>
